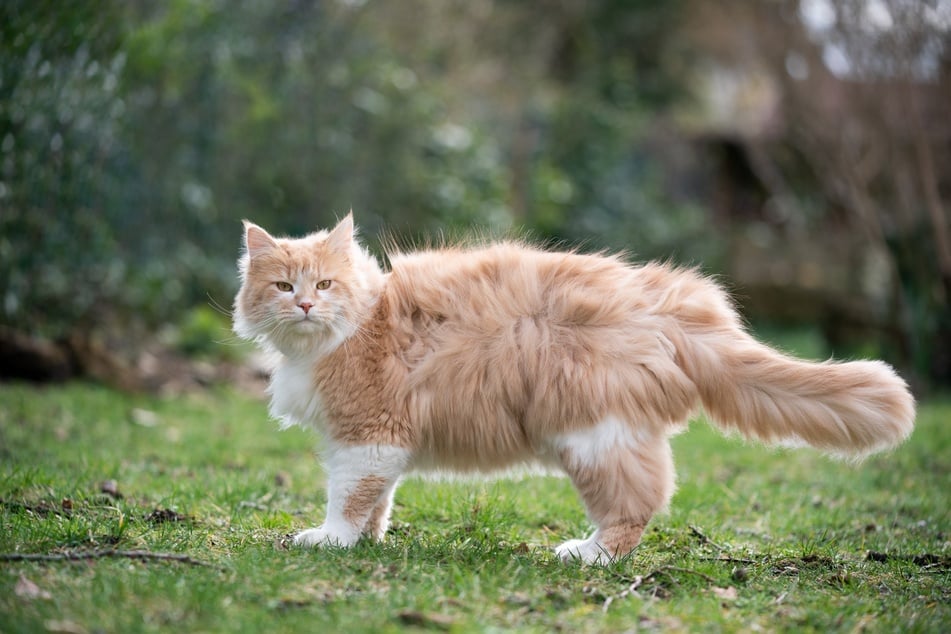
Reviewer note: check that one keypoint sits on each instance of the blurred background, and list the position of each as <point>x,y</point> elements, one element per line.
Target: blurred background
<point>799,148</point>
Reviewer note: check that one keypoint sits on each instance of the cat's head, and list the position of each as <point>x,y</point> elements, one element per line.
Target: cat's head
<point>304,295</point>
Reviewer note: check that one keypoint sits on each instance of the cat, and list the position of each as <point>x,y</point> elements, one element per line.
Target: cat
<point>478,359</point>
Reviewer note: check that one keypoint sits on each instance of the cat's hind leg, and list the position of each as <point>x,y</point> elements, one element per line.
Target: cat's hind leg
<point>624,475</point>
<point>360,478</point>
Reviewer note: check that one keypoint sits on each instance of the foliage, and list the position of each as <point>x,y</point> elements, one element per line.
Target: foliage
<point>205,332</point>
<point>755,539</point>
<point>60,119</point>
<point>134,137</point>
<point>596,173</point>
<point>129,164</point>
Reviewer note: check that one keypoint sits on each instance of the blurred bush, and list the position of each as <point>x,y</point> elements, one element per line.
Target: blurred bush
<point>135,136</point>
<point>205,332</point>
<point>134,140</point>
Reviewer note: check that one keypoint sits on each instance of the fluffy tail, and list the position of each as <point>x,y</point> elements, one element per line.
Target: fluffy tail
<point>851,409</point>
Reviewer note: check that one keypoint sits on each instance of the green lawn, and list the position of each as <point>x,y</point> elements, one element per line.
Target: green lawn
<point>755,539</point>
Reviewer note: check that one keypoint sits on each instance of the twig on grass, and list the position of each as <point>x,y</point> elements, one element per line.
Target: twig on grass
<point>703,538</point>
<point>102,554</point>
<point>668,569</point>
<point>639,581</point>
<point>730,560</point>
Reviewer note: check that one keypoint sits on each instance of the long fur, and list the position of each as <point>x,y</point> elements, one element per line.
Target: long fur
<point>476,359</point>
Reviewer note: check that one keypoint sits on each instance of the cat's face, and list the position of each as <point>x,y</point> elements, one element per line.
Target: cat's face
<point>305,294</point>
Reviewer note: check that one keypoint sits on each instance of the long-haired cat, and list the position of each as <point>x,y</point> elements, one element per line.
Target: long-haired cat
<point>481,359</point>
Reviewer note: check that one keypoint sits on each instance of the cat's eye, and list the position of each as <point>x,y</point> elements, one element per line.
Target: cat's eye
<point>287,287</point>
<point>323,285</point>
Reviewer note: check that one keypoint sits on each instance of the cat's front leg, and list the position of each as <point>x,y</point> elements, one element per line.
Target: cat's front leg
<point>360,478</point>
<point>379,521</point>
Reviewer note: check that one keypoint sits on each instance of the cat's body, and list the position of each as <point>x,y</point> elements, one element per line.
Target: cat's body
<point>484,359</point>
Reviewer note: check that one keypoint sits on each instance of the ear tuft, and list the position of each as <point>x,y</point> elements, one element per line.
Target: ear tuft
<point>256,240</point>
<point>340,238</point>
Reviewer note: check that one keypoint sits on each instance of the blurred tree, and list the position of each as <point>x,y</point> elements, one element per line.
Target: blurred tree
<point>61,164</point>
<point>601,152</point>
<point>883,153</point>
<point>135,136</point>
<point>576,95</point>
<point>845,129</point>
<point>295,114</point>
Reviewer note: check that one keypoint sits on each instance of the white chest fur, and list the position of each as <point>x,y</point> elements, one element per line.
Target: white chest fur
<point>294,397</point>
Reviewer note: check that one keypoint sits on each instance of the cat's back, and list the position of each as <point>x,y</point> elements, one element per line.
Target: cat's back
<point>509,280</point>
<point>507,340</point>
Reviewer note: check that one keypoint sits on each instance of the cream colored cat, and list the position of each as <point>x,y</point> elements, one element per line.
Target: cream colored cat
<point>482,359</point>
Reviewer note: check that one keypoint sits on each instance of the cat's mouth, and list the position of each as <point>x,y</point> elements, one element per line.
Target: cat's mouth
<point>307,322</point>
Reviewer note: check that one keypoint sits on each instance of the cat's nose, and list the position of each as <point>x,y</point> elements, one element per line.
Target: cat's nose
<point>306,306</point>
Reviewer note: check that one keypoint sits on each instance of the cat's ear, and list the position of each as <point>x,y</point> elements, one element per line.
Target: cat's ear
<point>340,238</point>
<point>257,240</point>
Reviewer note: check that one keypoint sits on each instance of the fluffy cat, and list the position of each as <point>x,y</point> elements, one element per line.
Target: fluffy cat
<point>481,359</point>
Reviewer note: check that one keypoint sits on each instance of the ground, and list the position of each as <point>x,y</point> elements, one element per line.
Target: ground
<point>178,508</point>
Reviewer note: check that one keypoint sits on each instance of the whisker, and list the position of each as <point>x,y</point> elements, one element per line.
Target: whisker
<point>218,307</point>
<point>231,341</point>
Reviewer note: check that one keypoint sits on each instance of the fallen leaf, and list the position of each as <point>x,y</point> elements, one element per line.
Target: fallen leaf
<point>144,417</point>
<point>26,589</point>
<point>517,599</point>
<point>64,627</point>
<point>161,516</point>
<point>927,559</point>
<point>665,624</point>
<point>727,594</point>
<point>110,488</point>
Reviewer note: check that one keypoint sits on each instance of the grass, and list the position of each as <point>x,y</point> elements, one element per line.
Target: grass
<point>756,539</point>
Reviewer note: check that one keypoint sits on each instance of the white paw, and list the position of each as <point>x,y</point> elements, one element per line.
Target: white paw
<point>322,536</point>
<point>585,551</point>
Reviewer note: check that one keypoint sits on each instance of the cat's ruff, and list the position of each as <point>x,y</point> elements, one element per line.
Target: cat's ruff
<point>477,360</point>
